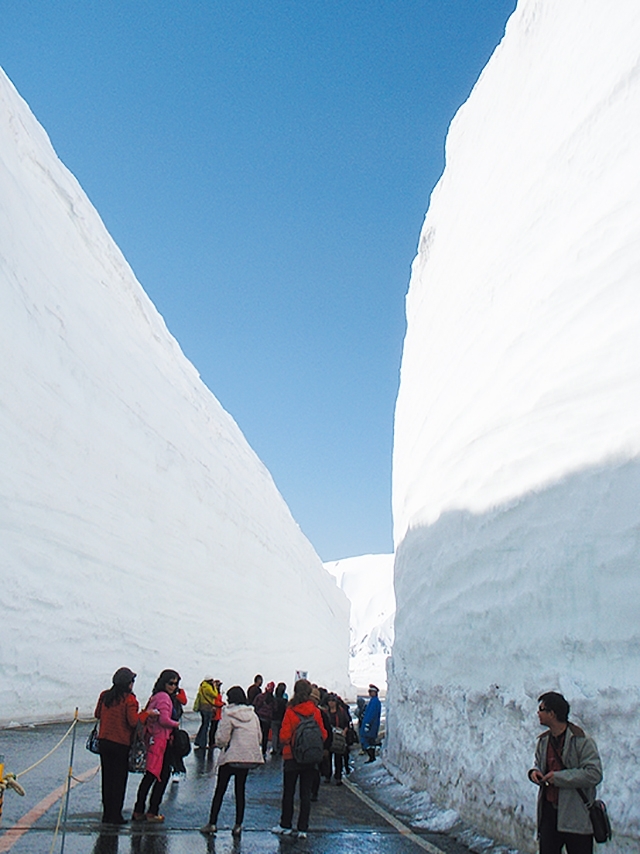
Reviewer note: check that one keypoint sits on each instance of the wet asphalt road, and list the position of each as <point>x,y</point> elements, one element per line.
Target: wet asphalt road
<point>340,821</point>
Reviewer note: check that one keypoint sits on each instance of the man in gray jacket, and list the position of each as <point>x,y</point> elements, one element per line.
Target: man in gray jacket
<point>566,760</point>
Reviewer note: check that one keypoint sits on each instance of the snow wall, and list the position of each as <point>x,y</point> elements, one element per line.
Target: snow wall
<point>137,526</point>
<point>367,581</point>
<point>516,485</point>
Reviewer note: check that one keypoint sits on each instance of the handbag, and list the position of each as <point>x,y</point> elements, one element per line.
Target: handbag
<point>352,735</point>
<point>599,818</point>
<point>138,751</point>
<point>92,742</point>
<point>338,742</point>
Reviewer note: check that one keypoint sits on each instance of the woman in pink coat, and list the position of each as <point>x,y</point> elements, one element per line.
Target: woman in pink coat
<point>158,732</point>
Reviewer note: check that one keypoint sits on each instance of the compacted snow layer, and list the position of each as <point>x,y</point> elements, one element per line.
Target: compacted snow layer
<point>516,487</point>
<point>367,581</point>
<point>137,526</point>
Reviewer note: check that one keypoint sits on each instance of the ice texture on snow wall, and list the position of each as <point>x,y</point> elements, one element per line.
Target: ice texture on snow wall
<point>137,526</point>
<point>516,484</point>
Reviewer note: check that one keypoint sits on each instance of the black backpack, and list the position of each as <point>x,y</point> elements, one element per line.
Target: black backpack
<point>308,744</point>
<point>181,742</point>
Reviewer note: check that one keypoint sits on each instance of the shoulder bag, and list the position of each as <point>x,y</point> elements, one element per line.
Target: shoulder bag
<point>597,809</point>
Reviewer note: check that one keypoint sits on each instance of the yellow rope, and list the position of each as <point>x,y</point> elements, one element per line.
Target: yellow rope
<point>78,780</point>
<point>47,755</point>
<point>55,832</point>
<point>9,782</point>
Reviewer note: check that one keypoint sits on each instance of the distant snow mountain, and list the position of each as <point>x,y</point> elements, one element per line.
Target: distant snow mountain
<point>516,474</point>
<point>137,526</point>
<point>367,582</point>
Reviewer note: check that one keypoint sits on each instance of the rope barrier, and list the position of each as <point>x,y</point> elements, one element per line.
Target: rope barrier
<point>10,780</point>
<point>50,753</point>
<point>58,823</point>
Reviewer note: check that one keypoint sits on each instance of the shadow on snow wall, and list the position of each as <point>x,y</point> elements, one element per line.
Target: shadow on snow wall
<point>539,594</point>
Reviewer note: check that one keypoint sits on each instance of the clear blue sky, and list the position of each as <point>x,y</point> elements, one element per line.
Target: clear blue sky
<point>265,167</point>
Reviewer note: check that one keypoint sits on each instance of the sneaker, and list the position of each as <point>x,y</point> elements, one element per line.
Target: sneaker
<point>338,782</point>
<point>208,828</point>
<point>282,831</point>
<point>137,816</point>
<point>301,834</point>
<point>237,830</point>
<point>154,818</point>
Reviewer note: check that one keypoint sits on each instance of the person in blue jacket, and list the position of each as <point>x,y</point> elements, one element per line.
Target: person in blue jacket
<point>371,724</point>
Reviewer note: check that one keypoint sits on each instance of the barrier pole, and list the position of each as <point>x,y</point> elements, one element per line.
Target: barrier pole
<point>1,787</point>
<point>66,802</point>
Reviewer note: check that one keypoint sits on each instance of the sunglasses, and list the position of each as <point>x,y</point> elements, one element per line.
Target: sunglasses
<point>174,683</point>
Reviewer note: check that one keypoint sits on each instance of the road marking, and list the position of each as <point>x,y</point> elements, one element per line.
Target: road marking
<point>24,824</point>
<point>391,819</point>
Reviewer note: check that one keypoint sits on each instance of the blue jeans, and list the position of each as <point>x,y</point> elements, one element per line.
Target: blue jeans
<point>203,732</point>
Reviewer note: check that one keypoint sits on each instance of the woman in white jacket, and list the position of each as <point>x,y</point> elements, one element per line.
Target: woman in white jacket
<point>238,736</point>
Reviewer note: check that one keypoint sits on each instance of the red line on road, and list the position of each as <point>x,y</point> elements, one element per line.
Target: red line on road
<point>24,824</point>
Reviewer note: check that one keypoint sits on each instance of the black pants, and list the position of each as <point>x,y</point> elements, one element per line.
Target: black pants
<point>315,783</point>
<point>338,762</point>
<point>225,772</point>
<point>293,772</point>
<point>114,764</point>
<point>265,726</point>
<point>158,788</point>
<point>552,840</point>
<point>325,766</point>
<point>212,734</point>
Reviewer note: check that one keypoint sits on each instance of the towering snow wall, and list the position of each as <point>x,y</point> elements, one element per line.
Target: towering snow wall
<point>137,527</point>
<point>516,488</point>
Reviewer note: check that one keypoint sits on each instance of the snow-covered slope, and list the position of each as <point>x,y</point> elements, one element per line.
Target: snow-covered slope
<point>137,527</point>
<point>368,583</point>
<point>517,437</point>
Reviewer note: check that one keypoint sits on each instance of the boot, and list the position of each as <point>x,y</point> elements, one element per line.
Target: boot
<point>372,754</point>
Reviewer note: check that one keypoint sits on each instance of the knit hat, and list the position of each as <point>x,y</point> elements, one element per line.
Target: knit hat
<point>208,679</point>
<point>123,677</point>
<point>270,687</point>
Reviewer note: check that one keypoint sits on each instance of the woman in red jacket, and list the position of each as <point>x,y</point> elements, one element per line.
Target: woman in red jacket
<point>300,705</point>
<point>117,711</point>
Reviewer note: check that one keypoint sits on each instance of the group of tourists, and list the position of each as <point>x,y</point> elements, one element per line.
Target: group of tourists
<point>118,713</point>
<point>312,732</point>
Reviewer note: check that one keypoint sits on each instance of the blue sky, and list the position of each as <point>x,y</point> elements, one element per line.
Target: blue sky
<point>265,167</point>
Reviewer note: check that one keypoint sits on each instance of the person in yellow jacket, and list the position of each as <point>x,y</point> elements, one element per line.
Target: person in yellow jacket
<point>205,703</point>
<point>218,703</point>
